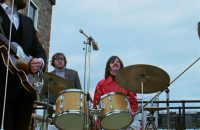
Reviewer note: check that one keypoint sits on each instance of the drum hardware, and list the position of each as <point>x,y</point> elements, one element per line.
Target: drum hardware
<point>153,78</point>
<point>143,79</point>
<point>87,48</point>
<point>150,124</point>
<point>151,119</point>
<point>102,105</point>
<point>41,118</point>
<point>55,84</point>
<point>95,112</point>
<point>114,112</point>
<point>72,114</point>
<point>151,89</point>
<point>43,105</point>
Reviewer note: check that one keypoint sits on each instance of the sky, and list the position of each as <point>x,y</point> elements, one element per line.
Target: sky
<point>161,33</point>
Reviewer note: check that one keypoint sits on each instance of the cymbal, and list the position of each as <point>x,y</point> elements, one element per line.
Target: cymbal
<point>153,109</point>
<point>41,105</point>
<point>154,79</point>
<point>56,84</point>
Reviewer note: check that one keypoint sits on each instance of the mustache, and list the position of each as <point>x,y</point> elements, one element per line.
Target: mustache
<point>116,65</point>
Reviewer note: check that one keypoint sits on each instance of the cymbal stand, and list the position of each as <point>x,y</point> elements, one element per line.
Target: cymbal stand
<point>45,119</point>
<point>142,89</point>
<point>143,106</point>
<point>167,104</point>
<point>143,76</point>
<point>48,106</point>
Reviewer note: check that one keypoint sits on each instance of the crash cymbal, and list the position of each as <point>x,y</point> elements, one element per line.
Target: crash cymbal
<point>154,79</point>
<point>56,84</point>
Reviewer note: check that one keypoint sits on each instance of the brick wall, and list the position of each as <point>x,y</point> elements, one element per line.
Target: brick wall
<point>44,22</point>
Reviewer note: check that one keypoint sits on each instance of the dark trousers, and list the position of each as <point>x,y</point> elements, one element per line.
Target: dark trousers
<point>17,114</point>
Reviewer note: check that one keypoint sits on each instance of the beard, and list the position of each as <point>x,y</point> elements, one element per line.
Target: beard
<point>20,4</point>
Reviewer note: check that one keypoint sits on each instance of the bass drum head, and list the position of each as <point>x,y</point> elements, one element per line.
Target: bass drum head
<point>116,120</point>
<point>69,121</point>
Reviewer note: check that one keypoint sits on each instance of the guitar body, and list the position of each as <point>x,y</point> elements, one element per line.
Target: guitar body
<point>19,65</point>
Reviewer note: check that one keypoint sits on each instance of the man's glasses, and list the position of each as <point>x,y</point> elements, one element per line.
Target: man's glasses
<point>59,59</point>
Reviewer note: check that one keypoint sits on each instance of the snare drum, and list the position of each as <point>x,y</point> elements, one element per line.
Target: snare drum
<point>115,112</point>
<point>71,108</point>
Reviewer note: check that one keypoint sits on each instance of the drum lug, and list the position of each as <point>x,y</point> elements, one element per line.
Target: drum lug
<point>128,105</point>
<point>111,108</point>
<point>61,104</point>
<point>109,98</point>
<point>81,100</point>
<point>102,105</point>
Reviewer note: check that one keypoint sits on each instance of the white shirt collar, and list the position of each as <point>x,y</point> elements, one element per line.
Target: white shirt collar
<point>4,6</point>
<point>13,17</point>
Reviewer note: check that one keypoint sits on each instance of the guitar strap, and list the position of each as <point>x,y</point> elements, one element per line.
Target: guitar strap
<point>1,29</point>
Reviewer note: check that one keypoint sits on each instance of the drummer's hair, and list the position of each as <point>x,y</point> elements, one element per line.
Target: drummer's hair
<point>57,55</point>
<point>107,69</point>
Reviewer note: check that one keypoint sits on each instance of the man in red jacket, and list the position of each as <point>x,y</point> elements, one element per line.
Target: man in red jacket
<point>108,87</point>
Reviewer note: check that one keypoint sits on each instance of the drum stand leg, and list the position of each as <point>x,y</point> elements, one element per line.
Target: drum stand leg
<point>95,116</point>
<point>167,98</point>
<point>150,124</point>
<point>32,124</point>
<point>95,125</point>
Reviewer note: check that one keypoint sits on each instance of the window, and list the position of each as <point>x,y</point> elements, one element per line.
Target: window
<point>33,13</point>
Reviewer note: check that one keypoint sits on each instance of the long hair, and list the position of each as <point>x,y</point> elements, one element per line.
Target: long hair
<point>19,4</point>
<point>111,59</point>
<point>58,55</point>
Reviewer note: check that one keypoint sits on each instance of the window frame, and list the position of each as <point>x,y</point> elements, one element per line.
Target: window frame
<point>36,11</point>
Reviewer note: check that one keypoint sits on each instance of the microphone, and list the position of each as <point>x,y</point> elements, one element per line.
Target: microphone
<point>81,31</point>
<point>94,44</point>
<point>91,40</point>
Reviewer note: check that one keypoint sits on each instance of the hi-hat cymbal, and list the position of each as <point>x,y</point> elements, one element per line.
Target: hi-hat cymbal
<point>153,109</point>
<point>56,84</point>
<point>41,105</point>
<point>153,78</point>
<point>41,118</point>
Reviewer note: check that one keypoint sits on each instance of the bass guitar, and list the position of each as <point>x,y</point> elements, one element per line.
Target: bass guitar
<point>19,65</point>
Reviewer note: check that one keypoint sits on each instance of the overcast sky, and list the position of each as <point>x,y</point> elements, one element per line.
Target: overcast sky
<point>162,33</point>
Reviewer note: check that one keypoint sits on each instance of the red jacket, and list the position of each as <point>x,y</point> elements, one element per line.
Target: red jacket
<point>109,85</point>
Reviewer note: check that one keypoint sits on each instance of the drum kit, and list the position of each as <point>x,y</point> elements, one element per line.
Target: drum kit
<point>73,106</point>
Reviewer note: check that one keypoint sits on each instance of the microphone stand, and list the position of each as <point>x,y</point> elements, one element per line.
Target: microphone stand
<point>86,90</point>
<point>90,41</point>
<point>6,82</point>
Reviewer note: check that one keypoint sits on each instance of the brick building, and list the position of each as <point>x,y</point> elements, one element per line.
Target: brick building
<point>41,13</point>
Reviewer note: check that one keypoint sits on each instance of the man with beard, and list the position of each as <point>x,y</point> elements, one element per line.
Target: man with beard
<point>108,85</point>
<point>19,101</point>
